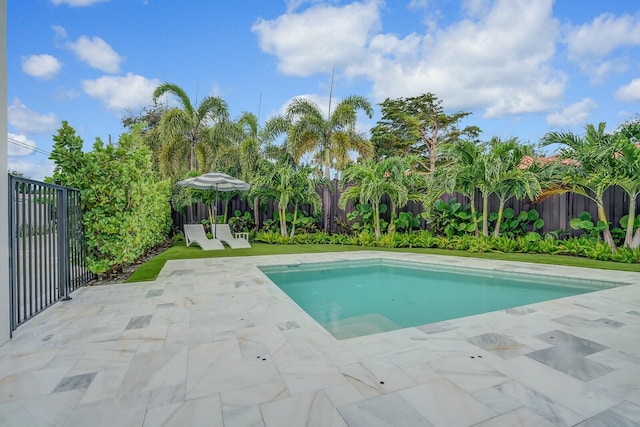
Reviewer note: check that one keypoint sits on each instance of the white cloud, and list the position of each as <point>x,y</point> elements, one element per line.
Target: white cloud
<point>603,35</point>
<point>630,92</point>
<point>120,93</point>
<point>589,44</point>
<point>41,66</point>
<point>97,53</point>
<point>497,59</point>
<point>318,37</point>
<point>418,4</point>
<point>33,169</point>
<point>574,114</point>
<point>29,122</point>
<point>76,3</point>
<point>20,145</point>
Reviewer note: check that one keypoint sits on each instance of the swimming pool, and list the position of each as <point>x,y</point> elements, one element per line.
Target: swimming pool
<point>354,298</point>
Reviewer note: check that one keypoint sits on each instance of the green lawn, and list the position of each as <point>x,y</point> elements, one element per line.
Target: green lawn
<point>150,269</point>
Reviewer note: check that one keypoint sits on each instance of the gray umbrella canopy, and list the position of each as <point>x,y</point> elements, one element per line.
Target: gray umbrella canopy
<point>216,181</point>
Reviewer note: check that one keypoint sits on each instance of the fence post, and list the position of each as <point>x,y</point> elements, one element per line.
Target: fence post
<point>13,232</point>
<point>63,243</point>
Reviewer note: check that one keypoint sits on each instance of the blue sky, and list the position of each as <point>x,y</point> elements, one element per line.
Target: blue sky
<point>523,68</point>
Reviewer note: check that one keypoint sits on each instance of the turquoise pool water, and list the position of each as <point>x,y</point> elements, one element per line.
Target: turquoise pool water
<point>363,297</point>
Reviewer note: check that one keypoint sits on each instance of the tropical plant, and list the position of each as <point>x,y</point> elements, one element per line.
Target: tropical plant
<point>255,148</point>
<point>361,217</point>
<point>465,173</point>
<point>625,152</point>
<point>587,172</point>
<point>285,185</point>
<point>367,182</point>
<point>185,133</point>
<point>407,221</point>
<point>330,139</point>
<point>506,176</point>
<point>240,222</point>
<point>451,218</point>
<point>525,223</point>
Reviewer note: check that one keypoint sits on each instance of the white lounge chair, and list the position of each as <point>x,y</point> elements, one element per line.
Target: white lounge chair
<point>194,233</point>
<point>223,233</point>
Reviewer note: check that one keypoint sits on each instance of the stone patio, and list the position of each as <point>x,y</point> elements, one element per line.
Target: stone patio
<point>214,343</point>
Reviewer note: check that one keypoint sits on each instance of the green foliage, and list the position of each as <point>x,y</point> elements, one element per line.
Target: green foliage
<point>504,244</point>
<point>272,237</point>
<point>417,126</point>
<point>522,224</point>
<point>576,246</point>
<point>585,222</point>
<point>549,246</point>
<point>241,222</point>
<point>407,221</point>
<point>366,238</point>
<point>126,207</point>
<point>362,218</point>
<point>423,239</point>
<point>480,244</point>
<point>451,218</point>
<point>626,254</point>
<point>599,250</point>
<point>624,221</point>
<point>528,244</point>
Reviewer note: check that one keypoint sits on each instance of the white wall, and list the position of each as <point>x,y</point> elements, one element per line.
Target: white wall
<point>5,324</point>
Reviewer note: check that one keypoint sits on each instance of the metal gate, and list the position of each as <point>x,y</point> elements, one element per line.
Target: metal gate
<point>47,254</point>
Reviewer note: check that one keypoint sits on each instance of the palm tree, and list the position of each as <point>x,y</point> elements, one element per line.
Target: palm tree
<point>625,153</point>
<point>255,147</point>
<point>507,176</point>
<point>588,172</point>
<point>184,132</point>
<point>331,139</point>
<point>465,173</point>
<point>286,184</point>
<point>367,182</point>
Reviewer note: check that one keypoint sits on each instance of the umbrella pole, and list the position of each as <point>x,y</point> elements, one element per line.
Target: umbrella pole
<point>215,214</point>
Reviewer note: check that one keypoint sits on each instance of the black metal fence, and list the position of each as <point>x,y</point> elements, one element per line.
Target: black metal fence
<point>47,254</point>
<point>556,211</point>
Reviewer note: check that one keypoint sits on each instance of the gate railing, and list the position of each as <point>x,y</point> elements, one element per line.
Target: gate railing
<point>47,253</point>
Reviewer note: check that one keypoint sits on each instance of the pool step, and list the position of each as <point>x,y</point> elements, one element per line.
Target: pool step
<point>365,324</point>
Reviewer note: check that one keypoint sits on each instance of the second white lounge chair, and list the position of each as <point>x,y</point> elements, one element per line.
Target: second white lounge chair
<point>223,232</point>
<point>194,233</point>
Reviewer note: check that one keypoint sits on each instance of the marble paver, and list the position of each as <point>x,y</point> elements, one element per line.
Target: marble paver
<point>213,342</point>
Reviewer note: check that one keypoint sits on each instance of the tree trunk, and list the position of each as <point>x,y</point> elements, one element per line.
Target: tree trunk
<point>256,213</point>
<point>295,217</point>
<point>472,203</point>
<point>485,215</point>
<point>631,221</point>
<point>635,242</point>
<point>283,221</point>
<point>392,222</point>
<point>606,233</point>
<point>496,232</point>
<point>376,220</point>
<point>192,157</point>
<point>326,202</point>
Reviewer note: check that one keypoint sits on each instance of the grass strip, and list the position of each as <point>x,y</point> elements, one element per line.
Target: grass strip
<point>149,270</point>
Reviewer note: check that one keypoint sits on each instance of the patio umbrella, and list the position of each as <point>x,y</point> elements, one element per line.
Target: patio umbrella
<point>216,181</point>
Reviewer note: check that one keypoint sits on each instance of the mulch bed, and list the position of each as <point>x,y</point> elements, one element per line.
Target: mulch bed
<point>116,277</point>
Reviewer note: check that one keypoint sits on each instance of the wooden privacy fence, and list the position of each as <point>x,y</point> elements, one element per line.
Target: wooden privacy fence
<point>556,211</point>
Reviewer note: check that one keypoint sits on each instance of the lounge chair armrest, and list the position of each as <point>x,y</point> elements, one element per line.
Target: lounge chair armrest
<point>241,235</point>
